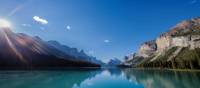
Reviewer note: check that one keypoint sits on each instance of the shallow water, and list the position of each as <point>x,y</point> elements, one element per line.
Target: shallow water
<point>99,78</point>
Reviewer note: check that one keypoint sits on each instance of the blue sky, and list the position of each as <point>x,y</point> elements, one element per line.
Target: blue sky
<point>103,28</point>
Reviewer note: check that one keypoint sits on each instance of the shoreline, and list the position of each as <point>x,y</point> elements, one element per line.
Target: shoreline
<point>160,69</point>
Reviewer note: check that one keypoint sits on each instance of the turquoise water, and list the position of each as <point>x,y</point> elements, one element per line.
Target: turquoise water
<point>99,78</point>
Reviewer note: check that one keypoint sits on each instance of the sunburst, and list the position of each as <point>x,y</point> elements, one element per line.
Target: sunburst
<point>5,24</point>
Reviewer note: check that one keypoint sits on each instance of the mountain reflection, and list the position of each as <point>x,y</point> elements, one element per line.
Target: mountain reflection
<point>44,79</point>
<point>109,78</point>
<point>164,79</point>
<point>99,78</point>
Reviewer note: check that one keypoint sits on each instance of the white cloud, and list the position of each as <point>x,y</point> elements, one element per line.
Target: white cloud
<point>26,25</point>
<point>106,41</point>
<point>40,20</point>
<point>68,27</point>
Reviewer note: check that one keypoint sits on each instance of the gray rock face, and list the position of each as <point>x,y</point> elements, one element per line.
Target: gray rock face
<point>184,34</point>
<point>147,49</point>
<point>163,43</point>
<point>195,42</point>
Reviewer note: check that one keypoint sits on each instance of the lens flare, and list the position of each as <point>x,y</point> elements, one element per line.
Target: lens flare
<point>4,23</point>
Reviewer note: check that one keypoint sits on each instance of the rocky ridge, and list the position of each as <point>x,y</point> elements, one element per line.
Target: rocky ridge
<point>184,35</point>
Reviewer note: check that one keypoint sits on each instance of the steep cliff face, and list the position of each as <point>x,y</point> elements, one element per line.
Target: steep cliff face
<point>183,41</point>
<point>163,42</point>
<point>169,45</point>
<point>147,49</point>
<point>195,41</point>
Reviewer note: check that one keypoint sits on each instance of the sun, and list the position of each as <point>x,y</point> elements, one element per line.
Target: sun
<point>4,23</point>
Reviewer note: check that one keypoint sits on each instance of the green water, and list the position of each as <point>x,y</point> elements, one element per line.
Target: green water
<point>101,78</point>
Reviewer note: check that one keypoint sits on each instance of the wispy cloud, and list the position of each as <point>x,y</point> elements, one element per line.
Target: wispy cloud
<point>18,8</point>
<point>106,41</point>
<point>40,20</point>
<point>26,25</point>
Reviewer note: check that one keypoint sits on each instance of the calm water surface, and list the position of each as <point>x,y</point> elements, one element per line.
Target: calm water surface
<point>88,78</point>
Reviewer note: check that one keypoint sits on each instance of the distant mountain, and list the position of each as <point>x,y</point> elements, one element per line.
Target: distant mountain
<point>19,50</point>
<point>114,62</point>
<point>178,48</point>
<point>74,52</point>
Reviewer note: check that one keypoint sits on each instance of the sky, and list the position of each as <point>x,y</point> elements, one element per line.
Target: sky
<point>105,29</point>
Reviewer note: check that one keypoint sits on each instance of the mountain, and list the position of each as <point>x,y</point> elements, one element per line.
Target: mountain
<point>178,48</point>
<point>114,62</point>
<point>20,51</point>
<point>74,52</point>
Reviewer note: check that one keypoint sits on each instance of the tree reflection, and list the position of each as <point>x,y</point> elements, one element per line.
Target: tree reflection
<point>44,79</point>
<point>163,78</point>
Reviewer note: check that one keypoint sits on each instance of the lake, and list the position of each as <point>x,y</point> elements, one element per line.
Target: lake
<point>100,78</point>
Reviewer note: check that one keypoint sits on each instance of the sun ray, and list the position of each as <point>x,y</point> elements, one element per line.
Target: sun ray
<point>14,49</point>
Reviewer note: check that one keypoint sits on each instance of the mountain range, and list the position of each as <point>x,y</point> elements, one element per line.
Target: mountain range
<point>74,52</point>
<point>114,62</point>
<point>20,51</point>
<point>178,48</point>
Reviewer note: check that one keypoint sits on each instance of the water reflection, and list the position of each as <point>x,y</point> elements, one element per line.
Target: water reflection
<point>99,78</point>
<point>44,79</point>
<point>164,79</point>
<point>112,78</point>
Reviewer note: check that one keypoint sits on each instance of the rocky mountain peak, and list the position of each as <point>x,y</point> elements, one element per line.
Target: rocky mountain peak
<point>184,26</point>
<point>169,45</point>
